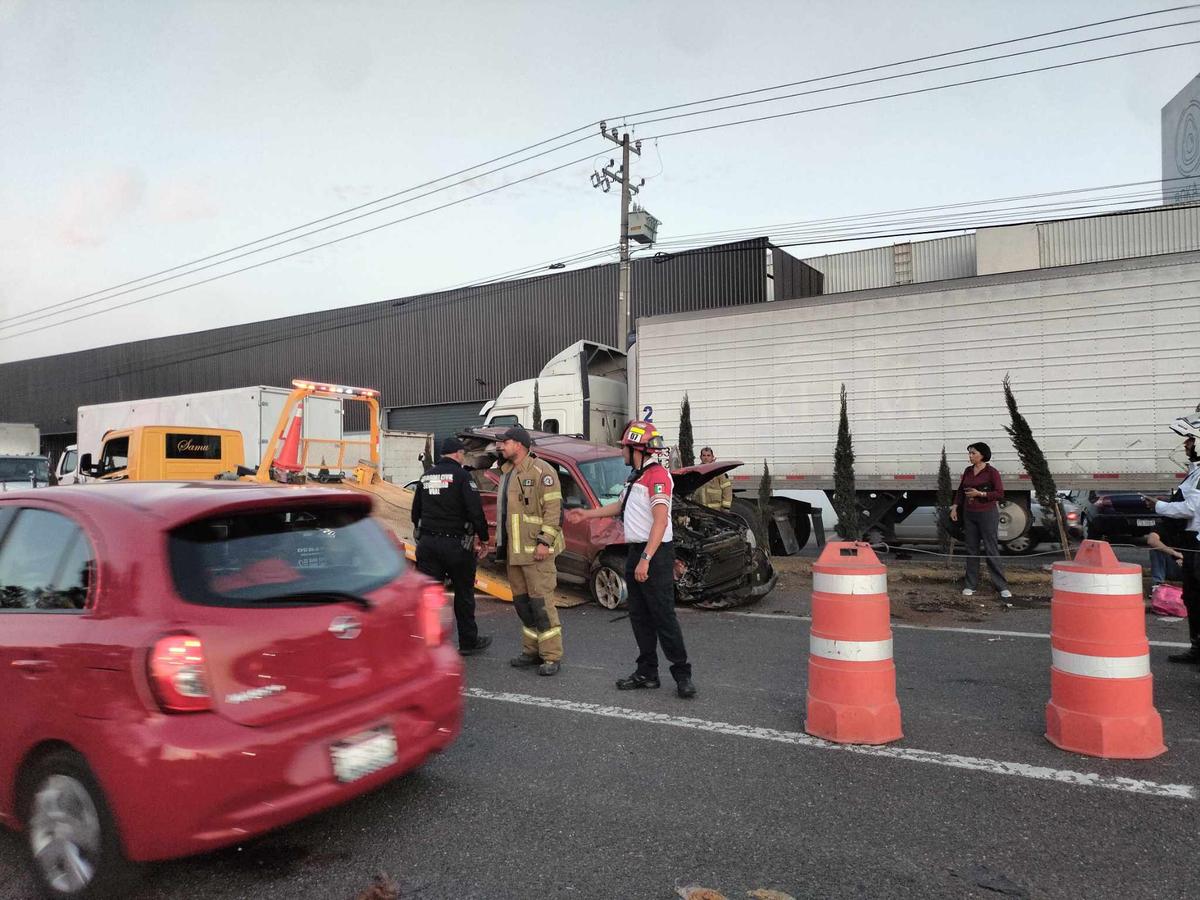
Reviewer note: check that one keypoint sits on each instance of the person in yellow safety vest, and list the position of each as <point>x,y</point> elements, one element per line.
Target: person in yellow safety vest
<point>717,493</point>
<point>528,538</point>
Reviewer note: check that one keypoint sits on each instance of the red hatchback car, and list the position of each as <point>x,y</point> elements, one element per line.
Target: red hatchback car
<point>185,665</point>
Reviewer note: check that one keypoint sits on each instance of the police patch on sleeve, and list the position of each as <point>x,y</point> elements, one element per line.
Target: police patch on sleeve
<point>547,480</point>
<point>658,488</point>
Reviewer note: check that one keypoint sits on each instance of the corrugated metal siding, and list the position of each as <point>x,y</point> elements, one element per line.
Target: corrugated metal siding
<point>444,419</point>
<point>952,257</point>
<point>1074,241</point>
<point>793,278</point>
<point>858,270</point>
<point>456,346</point>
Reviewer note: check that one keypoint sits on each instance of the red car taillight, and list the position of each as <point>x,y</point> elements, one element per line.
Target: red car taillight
<point>433,623</point>
<point>1072,516</point>
<point>179,674</point>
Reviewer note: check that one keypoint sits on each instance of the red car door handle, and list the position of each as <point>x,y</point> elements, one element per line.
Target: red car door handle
<point>32,666</point>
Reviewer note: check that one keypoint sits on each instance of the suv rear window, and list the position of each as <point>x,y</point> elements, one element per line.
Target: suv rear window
<point>243,559</point>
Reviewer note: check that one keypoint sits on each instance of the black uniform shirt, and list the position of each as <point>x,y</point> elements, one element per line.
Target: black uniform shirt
<point>447,500</point>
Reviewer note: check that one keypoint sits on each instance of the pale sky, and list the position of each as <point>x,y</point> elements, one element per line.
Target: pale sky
<point>141,134</point>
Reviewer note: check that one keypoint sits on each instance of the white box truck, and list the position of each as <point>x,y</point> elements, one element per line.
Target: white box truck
<point>253,411</point>
<point>21,462</point>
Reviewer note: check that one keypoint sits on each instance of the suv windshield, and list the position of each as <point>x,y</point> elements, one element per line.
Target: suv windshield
<point>607,476</point>
<point>17,468</point>
<point>244,559</point>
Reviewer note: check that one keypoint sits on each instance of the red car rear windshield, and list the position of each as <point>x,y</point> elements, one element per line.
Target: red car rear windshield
<point>246,559</point>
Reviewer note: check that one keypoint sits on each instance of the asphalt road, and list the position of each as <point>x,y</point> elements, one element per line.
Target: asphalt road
<point>565,787</point>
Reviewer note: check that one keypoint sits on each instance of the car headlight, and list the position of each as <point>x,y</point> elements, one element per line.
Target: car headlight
<point>750,538</point>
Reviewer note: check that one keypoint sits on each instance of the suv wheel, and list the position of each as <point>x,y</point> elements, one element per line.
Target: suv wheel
<point>71,838</point>
<point>607,581</point>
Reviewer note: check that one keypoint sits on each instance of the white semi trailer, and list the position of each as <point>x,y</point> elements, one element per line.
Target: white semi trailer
<point>1101,357</point>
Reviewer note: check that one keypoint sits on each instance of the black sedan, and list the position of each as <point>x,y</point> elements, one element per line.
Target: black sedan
<point>1114,515</point>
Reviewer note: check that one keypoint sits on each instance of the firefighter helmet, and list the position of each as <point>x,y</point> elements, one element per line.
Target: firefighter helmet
<point>1187,426</point>
<point>642,433</point>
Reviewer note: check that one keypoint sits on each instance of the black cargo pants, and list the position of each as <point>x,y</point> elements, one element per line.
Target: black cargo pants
<point>652,613</point>
<point>440,557</point>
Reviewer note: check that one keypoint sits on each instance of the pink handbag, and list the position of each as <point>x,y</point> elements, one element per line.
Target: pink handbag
<point>1167,600</point>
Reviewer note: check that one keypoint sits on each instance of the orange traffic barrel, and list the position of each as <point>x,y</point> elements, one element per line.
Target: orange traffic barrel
<point>1101,689</point>
<point>851,676</point>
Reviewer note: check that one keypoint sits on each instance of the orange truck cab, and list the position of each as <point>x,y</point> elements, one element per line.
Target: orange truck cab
<point>166,453</point>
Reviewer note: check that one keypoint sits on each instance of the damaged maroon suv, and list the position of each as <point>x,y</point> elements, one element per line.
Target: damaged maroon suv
<point>717,565</point>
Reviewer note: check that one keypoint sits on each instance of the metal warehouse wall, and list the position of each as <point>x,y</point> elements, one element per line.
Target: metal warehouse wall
<point>453,346</point>
<point>443,419</point>
<point>793,278</point>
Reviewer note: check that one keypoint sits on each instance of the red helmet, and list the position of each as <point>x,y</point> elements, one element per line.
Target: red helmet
<point>642,433</point>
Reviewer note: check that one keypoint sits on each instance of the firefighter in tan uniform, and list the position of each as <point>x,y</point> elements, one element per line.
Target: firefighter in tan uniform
<point>529,537</point>
<point>717,493</point>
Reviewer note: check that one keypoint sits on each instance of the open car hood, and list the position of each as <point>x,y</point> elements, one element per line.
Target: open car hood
<point>691,479</point>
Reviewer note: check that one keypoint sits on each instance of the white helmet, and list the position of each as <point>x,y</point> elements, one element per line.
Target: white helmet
<point>1187,426</point>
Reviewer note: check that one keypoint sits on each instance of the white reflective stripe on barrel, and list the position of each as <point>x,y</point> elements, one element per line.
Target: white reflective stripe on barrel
<point>851,651</point>
<point>1119,583</point>
<point>828,583</point>
<point>1100,666</point>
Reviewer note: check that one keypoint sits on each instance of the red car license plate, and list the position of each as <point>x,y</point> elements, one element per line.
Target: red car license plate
<point>361,754</point>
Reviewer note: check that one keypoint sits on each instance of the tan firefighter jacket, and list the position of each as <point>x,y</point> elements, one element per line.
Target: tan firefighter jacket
<point>532,510</point>
<point>716,493</point>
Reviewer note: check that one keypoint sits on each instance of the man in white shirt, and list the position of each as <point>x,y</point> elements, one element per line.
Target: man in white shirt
<point>645,511</point>
<point>1185,505</point>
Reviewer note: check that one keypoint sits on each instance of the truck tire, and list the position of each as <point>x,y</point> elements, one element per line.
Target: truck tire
<point>747,511</point>
<point>606,582</point>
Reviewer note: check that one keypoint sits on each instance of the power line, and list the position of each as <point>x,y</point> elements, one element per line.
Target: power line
<point>764,229</point>
<point>883,78</point>
<point>902,62</point>
<point>48,312</point>
<point>37,315</point>
<point>968,218</point>
<point>924,90</point>
<point>502,284</point>
<point>29,315</point>
<point>408,190</point>
<point>274,259</point>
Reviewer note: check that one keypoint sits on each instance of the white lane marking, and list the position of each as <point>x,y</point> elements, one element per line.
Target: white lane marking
<point>830,583</point>
<point>1117,584</point>
<point>799,739</point>
<point>947,628</point>
<point>850,651</point>
<point>1100,666</point>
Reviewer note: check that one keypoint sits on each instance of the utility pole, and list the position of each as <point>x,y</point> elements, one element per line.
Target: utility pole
<point>603,180</point>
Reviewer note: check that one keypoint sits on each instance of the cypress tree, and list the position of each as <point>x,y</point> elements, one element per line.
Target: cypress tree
<point>764,503</point>
<point>537,407</point>
<point>845,497</point>
<point>945,499</point>
<point>1029,452</point>
<point>1035,464</point>
<point>687,455</point>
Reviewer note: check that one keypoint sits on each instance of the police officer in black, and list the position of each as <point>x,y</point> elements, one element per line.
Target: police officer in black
<point>451,532</point>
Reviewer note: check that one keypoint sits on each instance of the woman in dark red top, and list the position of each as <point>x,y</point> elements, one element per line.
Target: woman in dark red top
<point>978,496</point>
